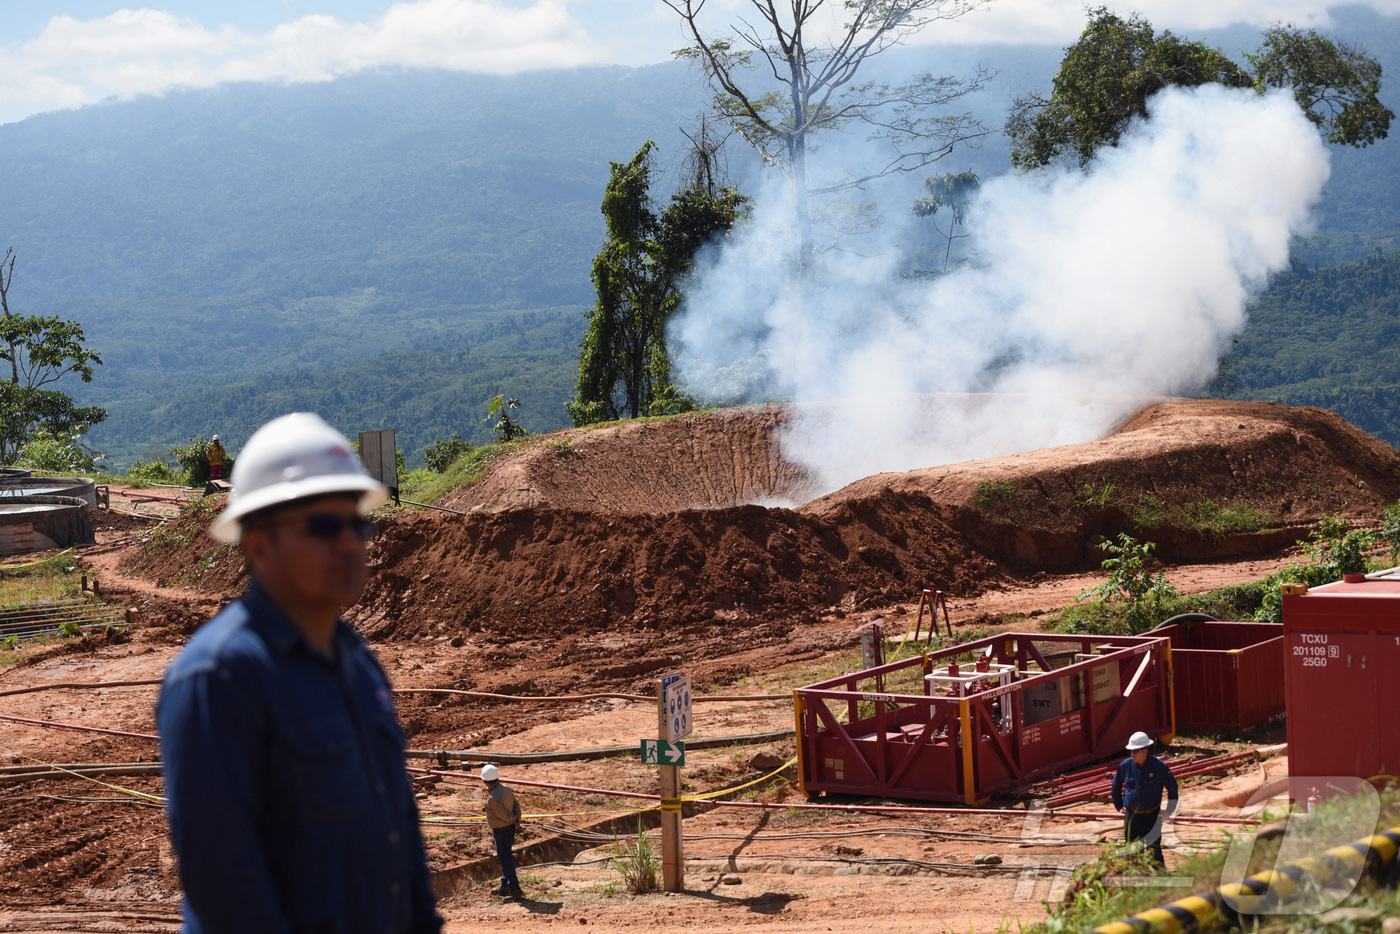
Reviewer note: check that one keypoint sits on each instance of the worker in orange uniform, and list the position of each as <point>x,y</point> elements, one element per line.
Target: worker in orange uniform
<point>1137,792</point>
<point>216,459</point>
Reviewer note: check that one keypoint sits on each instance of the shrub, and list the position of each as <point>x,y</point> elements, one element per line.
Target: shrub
<point>991,492</point>
<point>1132,582</point>
<point>445,453</point>
<point>1389,531</point>
<point>638,862</point>
<point>152,472</point>
<point>58,454</point>
<point>1333,550</point>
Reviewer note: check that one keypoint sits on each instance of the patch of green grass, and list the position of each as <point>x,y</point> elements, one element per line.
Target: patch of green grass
<point>993,492</point>
<point>1149,512</point>
<point>428,487</point>
<point>1211,520</point>
<point>53,578</point>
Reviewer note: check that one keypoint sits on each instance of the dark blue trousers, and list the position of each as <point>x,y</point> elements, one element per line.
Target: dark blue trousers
<point>1145,828</point>
<point>505,839</point>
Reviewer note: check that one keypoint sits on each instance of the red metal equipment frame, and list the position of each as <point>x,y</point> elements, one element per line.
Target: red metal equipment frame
<point>855,738</point>
<point>1228,676</point>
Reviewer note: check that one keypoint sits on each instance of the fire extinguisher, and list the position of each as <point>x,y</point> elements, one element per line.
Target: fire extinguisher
<point>1314,800</point>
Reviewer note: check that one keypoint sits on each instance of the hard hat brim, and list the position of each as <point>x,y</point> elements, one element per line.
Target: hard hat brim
<point>227,527</point>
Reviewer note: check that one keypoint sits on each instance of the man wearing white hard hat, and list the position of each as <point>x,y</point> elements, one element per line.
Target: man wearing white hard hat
<point>289,806</point>
<point>1137,792</point>
<point>503,816</point>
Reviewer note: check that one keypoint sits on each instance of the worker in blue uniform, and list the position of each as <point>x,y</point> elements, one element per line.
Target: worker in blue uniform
<point>1137,792</point>
<point>290,809</point>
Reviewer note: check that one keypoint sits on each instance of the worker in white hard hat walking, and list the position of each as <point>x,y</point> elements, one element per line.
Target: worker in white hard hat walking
<point>1137,792</point>
<point>289,805</point>
<point>503,816</point>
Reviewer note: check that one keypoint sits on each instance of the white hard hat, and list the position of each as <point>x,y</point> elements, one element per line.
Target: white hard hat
<point>290,458</point>
<point>1139,740</point>
<point>489,773</point>
<point>215,438</point>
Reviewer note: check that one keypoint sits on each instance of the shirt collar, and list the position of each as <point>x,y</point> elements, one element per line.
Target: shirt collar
<point>281,633</point>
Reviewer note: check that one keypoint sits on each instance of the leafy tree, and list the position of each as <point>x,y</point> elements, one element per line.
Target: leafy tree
<point>955,191</point>
<point>624,367</point>
<point>444,453</point>
<point>63,454</point>
<point>818,90</point>
<point>1336,83</point>
<point>505,428</point>
<point>1107,76</point>
<point>41,349</point>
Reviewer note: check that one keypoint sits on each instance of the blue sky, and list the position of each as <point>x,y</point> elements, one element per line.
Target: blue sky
<point>67,53</point>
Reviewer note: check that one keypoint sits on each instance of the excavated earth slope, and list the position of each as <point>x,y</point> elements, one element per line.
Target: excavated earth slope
<point>592,548</point>
<point>726,458</point>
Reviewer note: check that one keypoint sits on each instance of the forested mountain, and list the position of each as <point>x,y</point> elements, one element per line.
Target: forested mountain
<point>396,247</point>
<point>1328,337</point>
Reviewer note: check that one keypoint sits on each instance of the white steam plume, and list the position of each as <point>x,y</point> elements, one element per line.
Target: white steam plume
<point>1092,293</point>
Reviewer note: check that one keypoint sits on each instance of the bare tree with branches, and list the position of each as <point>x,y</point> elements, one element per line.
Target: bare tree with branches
<point>814,88</point>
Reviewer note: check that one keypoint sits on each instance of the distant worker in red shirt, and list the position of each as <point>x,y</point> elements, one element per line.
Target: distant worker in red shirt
<point>216,459</point>
<point>1137,792</point>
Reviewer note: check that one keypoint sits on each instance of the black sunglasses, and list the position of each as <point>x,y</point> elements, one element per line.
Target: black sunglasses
<point>328,525</point>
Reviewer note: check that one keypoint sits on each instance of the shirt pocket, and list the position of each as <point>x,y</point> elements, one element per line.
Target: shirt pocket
<point>330,777</point>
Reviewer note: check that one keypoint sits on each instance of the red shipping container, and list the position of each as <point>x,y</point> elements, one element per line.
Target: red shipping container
<point>1342,645</point>
<point>1226,676</point>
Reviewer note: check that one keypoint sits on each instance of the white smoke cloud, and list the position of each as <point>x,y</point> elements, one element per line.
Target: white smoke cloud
<point>1091,293</point>
<point>73,62</point>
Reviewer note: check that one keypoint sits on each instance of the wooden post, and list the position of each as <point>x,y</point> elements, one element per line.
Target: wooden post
<point>672,847</point>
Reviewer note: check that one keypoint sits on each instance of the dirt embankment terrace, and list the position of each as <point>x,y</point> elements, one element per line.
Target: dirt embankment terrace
<point>633,547</point>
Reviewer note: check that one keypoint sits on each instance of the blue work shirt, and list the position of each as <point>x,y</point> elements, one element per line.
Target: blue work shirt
<point>289,806</point>
<point>1139,787</point>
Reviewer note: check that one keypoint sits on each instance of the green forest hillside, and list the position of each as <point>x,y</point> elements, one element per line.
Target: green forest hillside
<point>1328,337</point>
<point>394,248</point>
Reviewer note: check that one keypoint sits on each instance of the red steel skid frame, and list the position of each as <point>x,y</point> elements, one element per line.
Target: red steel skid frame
<point>913,745</point>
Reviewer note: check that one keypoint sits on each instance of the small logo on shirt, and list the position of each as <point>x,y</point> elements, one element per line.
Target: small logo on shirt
<point>386,698</point>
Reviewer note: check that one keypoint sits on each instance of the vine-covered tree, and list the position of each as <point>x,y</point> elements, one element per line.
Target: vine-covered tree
<point>1107,76</point>
<point>816,71</point>
<point>41,349</point>
<point>624,367</point>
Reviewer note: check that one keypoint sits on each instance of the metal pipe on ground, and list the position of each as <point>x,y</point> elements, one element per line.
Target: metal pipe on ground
<point>849,808</point>
<point>604,752</point>
<point>157,497</point>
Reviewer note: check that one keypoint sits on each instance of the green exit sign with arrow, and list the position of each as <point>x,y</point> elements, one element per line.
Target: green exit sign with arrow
<point>660,752</point>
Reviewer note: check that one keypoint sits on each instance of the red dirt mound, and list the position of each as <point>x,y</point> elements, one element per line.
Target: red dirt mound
<point>745,573</point>
<point>1202,478</point>
<point>726,458</point>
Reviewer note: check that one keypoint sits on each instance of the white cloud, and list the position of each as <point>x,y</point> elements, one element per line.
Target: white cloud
<point>73,62</point>
<point>1060,22</point>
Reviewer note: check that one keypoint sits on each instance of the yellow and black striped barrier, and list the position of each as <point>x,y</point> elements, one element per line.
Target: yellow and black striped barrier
<point>1266,890</point>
